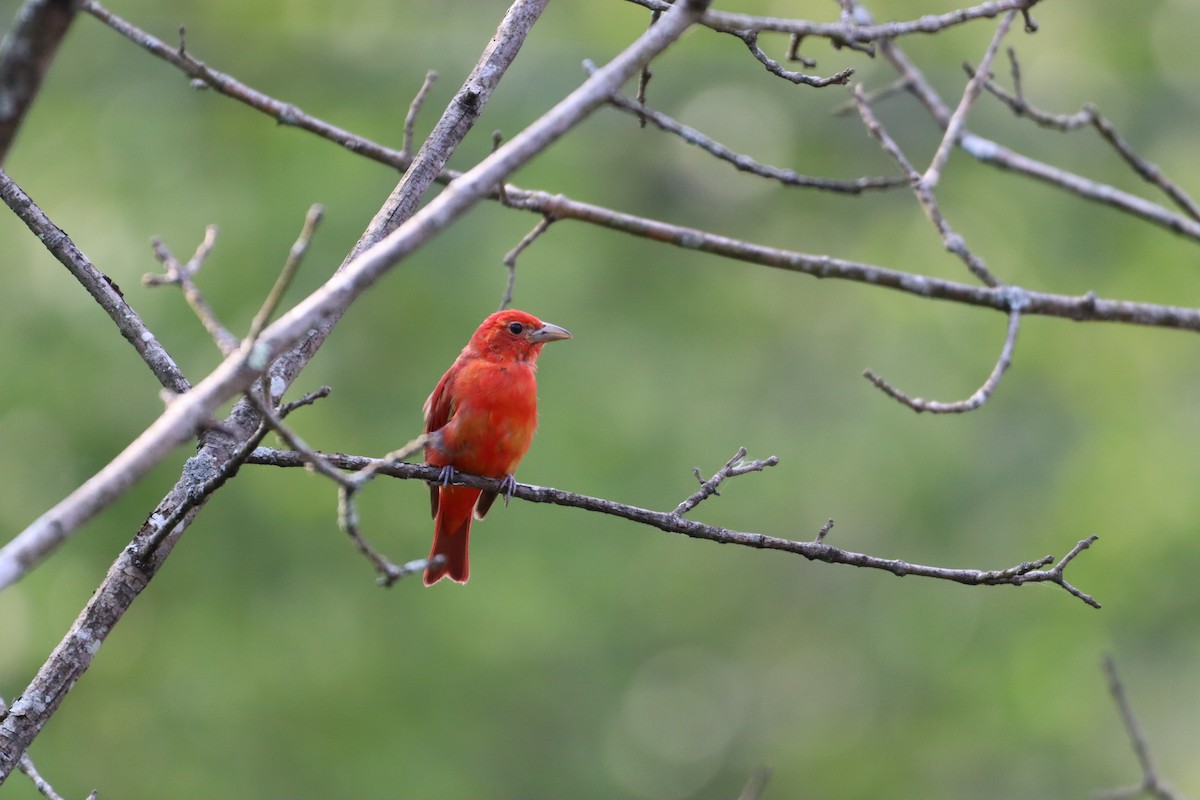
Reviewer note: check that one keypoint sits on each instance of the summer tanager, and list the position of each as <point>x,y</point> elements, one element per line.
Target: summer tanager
<point>480,420</point>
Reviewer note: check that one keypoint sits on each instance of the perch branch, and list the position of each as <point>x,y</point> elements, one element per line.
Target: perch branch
<point>981,395</point>
<point>1038,571</point>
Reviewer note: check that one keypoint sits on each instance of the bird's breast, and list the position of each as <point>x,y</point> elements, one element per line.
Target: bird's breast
<point>494,419</point>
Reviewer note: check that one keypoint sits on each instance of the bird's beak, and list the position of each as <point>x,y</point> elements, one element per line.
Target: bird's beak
<point>549,333</point>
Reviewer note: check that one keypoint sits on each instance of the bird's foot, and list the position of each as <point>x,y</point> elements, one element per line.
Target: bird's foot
<point>507,486</point>
<point>446,476</point>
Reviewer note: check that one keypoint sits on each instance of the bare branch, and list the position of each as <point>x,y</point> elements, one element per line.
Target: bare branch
<point>200,74</point>
<point>923,190</point>
<point>645,76</point>
<point>849,31</point>
<point>290,266</point>
<point>744,162</point>
<point>26,766</point>
<point>1086,307</point>
<point>414,108</point>
<point>348,488</point>
<point>670,522</point>
<point>750,38</point>
<point>981,395</point>
<point>1089,115</point>
<point>102,288</point>
<point>177,274</point>
<point>191,410</point>
<point>510,258</point>
<point>958,120</point>
<point>26,53</point>
<point>1151,784</point>
<point>991,152</point>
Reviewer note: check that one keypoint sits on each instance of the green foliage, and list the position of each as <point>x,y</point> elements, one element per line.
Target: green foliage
<point>588,657</point>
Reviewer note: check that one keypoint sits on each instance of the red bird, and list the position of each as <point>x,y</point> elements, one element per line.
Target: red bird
<point>480,420</point>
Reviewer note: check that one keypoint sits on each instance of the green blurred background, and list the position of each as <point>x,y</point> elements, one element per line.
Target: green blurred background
<point>589,657</point>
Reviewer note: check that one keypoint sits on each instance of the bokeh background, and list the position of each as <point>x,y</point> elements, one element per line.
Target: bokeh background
<point>589,657</point>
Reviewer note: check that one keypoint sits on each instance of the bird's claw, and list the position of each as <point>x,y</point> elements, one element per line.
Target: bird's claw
<point>446,476</point>
<point>508,485</point>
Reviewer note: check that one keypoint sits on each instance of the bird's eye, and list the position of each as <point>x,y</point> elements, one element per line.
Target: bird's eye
<point>515,328</point>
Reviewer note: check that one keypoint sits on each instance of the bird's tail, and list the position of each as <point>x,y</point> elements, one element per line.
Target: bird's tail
<point>451,531</point>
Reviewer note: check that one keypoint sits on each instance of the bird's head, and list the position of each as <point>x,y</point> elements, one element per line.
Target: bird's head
<point>515,334</point>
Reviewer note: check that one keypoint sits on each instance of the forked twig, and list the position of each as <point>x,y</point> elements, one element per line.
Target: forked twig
<point>733,467</point>
<point>951,240</point>
<point>181,275</point>
<point>348,520</point>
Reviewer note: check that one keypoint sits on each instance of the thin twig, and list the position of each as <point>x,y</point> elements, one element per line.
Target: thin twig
<point>750,38</point>
<point>1151,784</point>
<point>348,521</point>
<point>645,76</point>
<point>668,521</point>
<point>510,258</point>
<point>414,108</point>
<point>978,398</point>
<point>286,275</point>
<point>958,119</point>
<point>898,86</point>
<point>177,274</point>
<point>756,785</point>
<point>951,240</point>
<point>733,467</point>
<point>745,163</point>
<point>850,29</point>
<point>1089,115</point>
<point>988,151</point>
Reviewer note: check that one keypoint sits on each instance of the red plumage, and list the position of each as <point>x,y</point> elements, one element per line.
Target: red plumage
<point>481,418</point>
